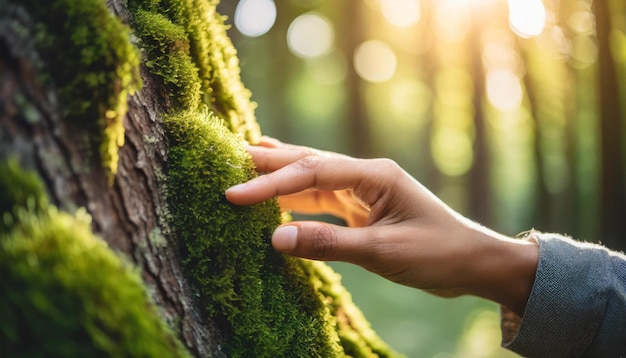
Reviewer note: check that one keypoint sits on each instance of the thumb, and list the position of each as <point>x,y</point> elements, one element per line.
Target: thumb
<point>322,241</point>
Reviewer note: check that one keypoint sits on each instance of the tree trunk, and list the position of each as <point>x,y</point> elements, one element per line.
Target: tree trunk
<point>356,116</point>
<point>613,201</point>
<point>66,69</point>
<point>479,175</point>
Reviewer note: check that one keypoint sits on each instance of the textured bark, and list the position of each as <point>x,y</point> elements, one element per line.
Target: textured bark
<point>130,214</point>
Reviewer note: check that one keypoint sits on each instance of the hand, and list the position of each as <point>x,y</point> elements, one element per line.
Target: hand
<point>403,232</point>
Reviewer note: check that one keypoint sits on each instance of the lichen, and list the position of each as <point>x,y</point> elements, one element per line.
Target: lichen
<point>268,308</point>
<point>92,64</point>
<point>64,292</point>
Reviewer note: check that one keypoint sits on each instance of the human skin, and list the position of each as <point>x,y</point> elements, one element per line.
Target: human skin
<point>397,228</point>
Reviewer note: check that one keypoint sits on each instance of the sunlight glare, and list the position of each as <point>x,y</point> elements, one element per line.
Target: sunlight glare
<point>453,20</point>
<point>254,18</point>
<point>527,18</point>
<point>504,89</point>
<point>401,13</point>
<point>375,61</point>
<point>582,22</point>
<point>497,55</point>
<point>310,35</point>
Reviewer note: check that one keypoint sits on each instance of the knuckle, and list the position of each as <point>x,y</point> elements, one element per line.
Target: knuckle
<point>324,242</point>
<point>309,162</point>
<point>388,166</point>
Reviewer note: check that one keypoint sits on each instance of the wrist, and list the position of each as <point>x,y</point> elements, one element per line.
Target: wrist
<point>501,269</point>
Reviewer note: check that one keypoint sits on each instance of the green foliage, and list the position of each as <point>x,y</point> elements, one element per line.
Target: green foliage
<point>159,24</point>
<point>89,59</point>
<point>64,293</point>
<point>264,299</point>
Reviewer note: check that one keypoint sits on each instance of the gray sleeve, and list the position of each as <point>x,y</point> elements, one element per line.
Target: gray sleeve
<point>577,306</point>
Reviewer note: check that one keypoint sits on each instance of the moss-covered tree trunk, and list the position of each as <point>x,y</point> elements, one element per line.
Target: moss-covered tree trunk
<point>123,122</point>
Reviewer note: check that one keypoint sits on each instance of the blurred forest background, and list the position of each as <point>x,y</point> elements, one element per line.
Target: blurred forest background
<point>513,112</point>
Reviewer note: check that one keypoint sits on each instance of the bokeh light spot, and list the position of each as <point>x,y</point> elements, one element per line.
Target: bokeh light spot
<point>401,13</point>
<point>584,51</point>
<point>452,20</point>
<point>452,151</point>
<point>310,35</point>
<point>254,18</point>
<point>375,61</point>
<point>409,100</point>
<point>527,18</point>
<point>504,90</point>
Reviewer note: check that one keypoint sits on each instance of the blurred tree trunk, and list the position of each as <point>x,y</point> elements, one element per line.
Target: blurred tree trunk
<point>613,197</point>
<point>480,193</point>
<point>429,175</point>
<point>541,216</point>
<point>356,116</point>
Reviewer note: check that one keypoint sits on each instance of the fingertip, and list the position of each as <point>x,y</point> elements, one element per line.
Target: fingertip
<point>234,192</point>
<point>270,142</point>
<point>285,238</point>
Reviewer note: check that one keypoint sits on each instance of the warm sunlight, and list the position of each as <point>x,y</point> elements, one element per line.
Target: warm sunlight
<point>375,61</point>
<point>401,13</point>
<point>527,18</point>
<point>310,35</point>
<point>452,20</point>
<point>504,89</point>
<point>254,18</point>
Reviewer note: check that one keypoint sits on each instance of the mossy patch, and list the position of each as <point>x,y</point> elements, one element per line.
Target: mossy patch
<point>167,57</point>
<point>90,61</point>
<point>64,293</point>
<point>18,189</point>
<point>215,78</point>
<point>358,339</point>
<point>261,297</point>
<point>270,304</point>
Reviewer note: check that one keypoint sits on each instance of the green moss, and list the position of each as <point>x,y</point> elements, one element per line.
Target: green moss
<point>167,51</point>
<point>211,51</point>
<point>89,59</point>
<point>64,293</point>
<point>18,188</point>
<point>357,337</point>
<point>269,309</point>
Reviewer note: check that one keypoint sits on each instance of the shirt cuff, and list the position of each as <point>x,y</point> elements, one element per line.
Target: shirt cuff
<point>566,304</point>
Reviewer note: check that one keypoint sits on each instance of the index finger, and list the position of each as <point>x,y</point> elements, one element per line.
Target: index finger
<point>269,159</point>
<point>309,172</point>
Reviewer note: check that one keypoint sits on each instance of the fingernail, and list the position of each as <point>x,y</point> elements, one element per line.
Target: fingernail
<point>285,238</point>
<point>236,188</point>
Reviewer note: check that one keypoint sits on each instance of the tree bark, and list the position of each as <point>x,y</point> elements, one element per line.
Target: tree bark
<point>129,215</point>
